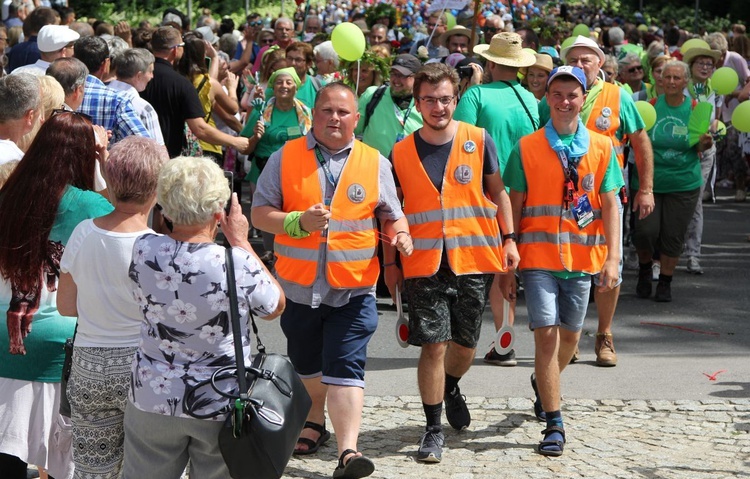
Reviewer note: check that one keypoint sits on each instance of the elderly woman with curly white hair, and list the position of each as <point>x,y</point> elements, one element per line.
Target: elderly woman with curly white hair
<point>180,283</point>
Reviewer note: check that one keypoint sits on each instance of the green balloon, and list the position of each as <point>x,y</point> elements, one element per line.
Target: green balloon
<point>741,117</point>
<point>724,80</point>
<point>648,113</point>
<point>348,41</point>
<point>581,29</point>
<point>567,42</point>
<point>451,20</point>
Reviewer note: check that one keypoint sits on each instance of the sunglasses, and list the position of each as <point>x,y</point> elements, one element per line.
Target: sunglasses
<point>178,45</point>
<point>635,69</point>
<point>491,29</point>
<point>256,23</point>
<point>60,111</point>
<point>267,41</point>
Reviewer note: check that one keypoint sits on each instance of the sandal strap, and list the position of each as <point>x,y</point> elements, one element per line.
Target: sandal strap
<point>343,455</point>
<point>319,428</point>
<point>551,429</point>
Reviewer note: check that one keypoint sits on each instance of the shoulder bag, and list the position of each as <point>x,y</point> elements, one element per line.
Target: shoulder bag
<point>265,420</point>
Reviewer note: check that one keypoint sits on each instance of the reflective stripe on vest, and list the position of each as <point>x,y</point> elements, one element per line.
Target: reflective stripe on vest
<point>459,219</point>
<point>608,98</point>
<point>351,241</point>
<point>549,237</point>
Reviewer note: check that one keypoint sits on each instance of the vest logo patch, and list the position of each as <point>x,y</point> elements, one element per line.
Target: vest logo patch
<point>463,174</point>
<point>588,183</point>
<point>356,193</point>
<point>470,147</point>
<point>603,123</point>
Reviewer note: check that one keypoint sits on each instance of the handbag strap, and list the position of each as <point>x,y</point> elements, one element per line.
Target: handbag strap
<point>520,100</point>
<point>234,315</point>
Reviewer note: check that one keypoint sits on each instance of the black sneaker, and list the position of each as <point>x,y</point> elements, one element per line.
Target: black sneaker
<point>431,445</point>
<point>643,288</point>
<point>663,292</point>
<point>507,360</point>
<point>456,410</point>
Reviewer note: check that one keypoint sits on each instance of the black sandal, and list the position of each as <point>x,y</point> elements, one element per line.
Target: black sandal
<point>549,443</point>
<point>354,468</point>
<point>312,446</point>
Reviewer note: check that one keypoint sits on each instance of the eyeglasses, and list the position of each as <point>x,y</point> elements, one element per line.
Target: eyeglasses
<point>178,45</point>
<point>434,25</point>
<point>296,60</point>
<point>491,29</point>
<point>256,23</point>
<point>432,101</point>
<point>704,64</point>
<point>59,111</point>
<point>267,41</point>
<point>635,69</point>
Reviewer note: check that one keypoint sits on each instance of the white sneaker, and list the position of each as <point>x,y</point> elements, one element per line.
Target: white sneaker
<point>655,271</point>
<point>693,265</point>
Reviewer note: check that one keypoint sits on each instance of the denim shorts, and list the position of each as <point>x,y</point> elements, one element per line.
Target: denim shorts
<point>597,281</point>
<point>445,307</point>
<point>329,341</point>
<point>552,301</point>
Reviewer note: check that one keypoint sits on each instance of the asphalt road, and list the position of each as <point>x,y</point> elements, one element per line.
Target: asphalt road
<point>664,349</point>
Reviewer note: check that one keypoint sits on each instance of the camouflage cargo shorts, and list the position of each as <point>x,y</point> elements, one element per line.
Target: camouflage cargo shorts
<point>446,307</point>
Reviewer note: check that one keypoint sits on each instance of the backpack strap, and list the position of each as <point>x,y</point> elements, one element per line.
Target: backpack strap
<point>373,103</point>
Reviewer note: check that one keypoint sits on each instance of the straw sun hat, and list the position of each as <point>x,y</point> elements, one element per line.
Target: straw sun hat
<point>505,49</point>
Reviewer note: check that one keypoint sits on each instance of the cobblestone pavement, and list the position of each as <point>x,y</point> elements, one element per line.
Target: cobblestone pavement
<point>606,439</point>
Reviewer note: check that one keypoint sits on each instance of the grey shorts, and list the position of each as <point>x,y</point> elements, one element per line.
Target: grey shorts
<point>446,307</point>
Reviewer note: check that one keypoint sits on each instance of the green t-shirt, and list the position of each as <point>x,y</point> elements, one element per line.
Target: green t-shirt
<point>44,345</point>
<point>386,122</point>
<point>495,107</point>
<point>284,127</point>
<point>676,164</point>
<point>515,178</point>
<point>630,119</point>
<point>307,92</point>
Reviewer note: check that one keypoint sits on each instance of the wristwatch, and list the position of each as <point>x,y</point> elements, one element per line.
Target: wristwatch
<point>509,236</point>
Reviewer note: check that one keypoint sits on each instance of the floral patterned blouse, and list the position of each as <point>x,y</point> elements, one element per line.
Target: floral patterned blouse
<point>186,334</point>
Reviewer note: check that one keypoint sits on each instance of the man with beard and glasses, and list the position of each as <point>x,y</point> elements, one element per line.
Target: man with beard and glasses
<point>394,116</point>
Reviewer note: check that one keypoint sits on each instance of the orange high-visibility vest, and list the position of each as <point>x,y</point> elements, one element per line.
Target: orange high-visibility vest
<point>351,241</point>
<point>608,99</point>
<point>460,218</point>
<point>549,237</point>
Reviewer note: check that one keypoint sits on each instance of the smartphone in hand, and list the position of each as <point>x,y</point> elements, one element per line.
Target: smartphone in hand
<point>230,178</point>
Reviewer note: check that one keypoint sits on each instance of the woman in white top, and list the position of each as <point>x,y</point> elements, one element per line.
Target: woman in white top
<point>94,286</point>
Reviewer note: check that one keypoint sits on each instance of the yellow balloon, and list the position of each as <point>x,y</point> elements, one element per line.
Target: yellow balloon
<point>724,80</point>
<point>741,117</point>
<point>648,113</point>
<point>348,41</point>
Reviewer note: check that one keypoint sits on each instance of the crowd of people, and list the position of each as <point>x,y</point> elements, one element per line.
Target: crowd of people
<point>457,160</point>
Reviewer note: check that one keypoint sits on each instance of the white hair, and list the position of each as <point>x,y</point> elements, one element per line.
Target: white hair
<point>191,190</point>
<point>326,52</point>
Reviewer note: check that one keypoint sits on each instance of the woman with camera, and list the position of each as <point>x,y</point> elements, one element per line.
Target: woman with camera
<point>180,283</point>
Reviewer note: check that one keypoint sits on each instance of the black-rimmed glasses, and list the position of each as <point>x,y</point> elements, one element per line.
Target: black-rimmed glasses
<point>432,101</point>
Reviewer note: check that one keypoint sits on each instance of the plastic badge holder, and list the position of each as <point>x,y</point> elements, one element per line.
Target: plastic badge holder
<point>402,325</point>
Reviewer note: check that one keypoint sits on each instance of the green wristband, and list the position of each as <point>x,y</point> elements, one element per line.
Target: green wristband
<point>292,225</point>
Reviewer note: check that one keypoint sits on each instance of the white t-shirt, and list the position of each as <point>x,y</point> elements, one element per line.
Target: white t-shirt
<point>9,151</point>
<point>98,260</point>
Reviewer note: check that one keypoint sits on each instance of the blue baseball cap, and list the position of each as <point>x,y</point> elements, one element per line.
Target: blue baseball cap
<point>567,70</point>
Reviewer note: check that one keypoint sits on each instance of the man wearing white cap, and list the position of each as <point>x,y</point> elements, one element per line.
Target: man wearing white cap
<point>54,41</point>
<point>610,111</point>
<point>563,182</point>
<point>508,112</point>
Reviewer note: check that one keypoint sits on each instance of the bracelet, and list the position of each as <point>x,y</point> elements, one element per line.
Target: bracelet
<point>404,232</point>
<point>389,264</point>
<point>646,192</point>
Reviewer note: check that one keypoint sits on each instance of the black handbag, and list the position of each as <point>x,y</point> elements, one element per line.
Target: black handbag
<point>265,420</point>
<point>67,368</point>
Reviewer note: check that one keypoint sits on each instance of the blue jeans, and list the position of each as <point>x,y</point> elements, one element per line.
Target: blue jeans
<point>552,301</point>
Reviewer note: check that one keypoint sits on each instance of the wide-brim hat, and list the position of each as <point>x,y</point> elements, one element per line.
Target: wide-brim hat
<point>586,42</point>
<point>696,52</point>
<point>506,48</point>
<point>543,61</point>
<point>457,30</point>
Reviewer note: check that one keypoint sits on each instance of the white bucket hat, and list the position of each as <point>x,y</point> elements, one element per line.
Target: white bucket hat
<point>582,41</point>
